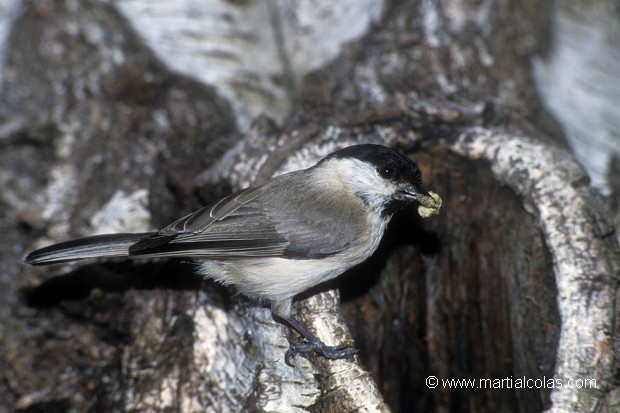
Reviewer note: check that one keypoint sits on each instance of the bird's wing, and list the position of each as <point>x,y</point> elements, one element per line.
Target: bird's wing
<point>250,224</point>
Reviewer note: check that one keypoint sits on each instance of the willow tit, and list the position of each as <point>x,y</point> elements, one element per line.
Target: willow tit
<point>276,240</point>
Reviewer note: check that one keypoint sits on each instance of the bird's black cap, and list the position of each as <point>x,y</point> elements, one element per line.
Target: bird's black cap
<point>389,163</point>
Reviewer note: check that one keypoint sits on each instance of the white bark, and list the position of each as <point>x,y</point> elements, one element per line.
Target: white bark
<point>553,188</point>
<point>254,52</point>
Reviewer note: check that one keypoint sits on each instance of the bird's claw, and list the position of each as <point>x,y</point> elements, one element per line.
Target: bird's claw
<point>340,351</point>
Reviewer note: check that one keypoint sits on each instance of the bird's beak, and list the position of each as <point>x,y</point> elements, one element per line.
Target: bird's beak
<point>409,193</point>
<point>429,203</point>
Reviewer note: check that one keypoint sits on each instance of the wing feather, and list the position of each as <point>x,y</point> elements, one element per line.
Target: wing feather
<point>250,224</point>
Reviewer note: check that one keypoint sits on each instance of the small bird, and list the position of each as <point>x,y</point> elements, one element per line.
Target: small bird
<point>280,238</point>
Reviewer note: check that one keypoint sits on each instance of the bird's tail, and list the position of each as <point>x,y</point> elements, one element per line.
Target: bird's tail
<point>97,246</point>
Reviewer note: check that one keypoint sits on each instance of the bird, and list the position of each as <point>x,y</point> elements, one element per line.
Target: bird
<point>284,236</point>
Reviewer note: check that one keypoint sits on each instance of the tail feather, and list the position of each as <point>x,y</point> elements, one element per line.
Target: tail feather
<point>97,246</point>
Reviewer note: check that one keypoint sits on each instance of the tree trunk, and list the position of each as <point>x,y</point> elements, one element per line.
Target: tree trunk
<point>123,116</point>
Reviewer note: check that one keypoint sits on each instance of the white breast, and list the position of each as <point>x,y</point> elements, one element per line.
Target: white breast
<point>282,278</point>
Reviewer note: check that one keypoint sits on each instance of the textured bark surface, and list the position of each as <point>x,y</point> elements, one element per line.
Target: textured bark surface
<point>107,124</point>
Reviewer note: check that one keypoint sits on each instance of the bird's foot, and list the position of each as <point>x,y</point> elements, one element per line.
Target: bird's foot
<point>340,351</point>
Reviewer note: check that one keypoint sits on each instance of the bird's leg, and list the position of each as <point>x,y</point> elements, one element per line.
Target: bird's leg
<point>283,309</point>
<point>313,343</point>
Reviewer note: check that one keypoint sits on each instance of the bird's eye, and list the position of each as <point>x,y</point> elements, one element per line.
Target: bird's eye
<point>386,172</point>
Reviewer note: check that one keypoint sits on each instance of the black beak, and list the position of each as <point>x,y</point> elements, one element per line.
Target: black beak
<point>409,193</point>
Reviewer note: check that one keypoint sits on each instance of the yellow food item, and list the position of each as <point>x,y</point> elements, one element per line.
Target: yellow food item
<point>429,205</point>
